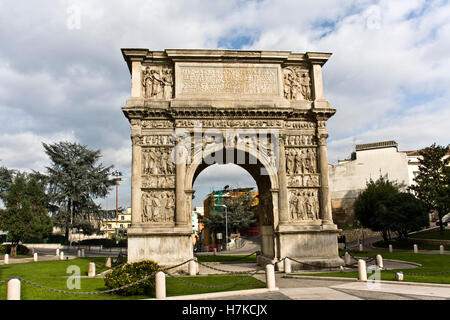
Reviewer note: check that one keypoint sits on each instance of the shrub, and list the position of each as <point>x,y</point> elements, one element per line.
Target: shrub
<point>130,273</point>
<point>21,249</point>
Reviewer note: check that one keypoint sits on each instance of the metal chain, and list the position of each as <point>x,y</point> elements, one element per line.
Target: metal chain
<point>91,292</point>
<point>209,286</point>
<point>424,274</point>
<point>227,271</point>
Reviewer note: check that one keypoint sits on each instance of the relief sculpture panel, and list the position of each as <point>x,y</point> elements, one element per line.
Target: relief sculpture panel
<point>157,82</point>
<point>301,161</point>
<point>303,204</point>
<point>297,84</point>
<point>158,206</point>
<point>157,160</point>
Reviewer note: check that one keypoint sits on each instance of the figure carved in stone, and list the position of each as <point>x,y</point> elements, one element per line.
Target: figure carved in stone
<point>303,205</point>
<point>297,84</point>
<point>158,206</point>
<point>157,161</point>
<point>157,83</point>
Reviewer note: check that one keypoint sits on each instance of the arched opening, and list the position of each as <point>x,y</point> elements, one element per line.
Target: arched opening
<point>253,173</point>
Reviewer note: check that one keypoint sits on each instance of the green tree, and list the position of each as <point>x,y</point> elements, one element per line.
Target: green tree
<point>238,214</point>
<point>433,180</point>
<point>373,206</point>
<point>26,215</point>
<point>407,214</point>
<point>75,180</point>
<point>6,177</point>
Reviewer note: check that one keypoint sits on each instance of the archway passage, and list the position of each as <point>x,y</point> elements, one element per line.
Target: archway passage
<point>251,165</point>
<point>183,94</point>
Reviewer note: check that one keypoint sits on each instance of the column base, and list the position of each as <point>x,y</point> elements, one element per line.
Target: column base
<point>168,247</point>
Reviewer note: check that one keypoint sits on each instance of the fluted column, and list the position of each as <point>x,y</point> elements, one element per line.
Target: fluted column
<point>283,198</point>
<point>325,197</point>
<point>180,177</point>
<point>136,210</point>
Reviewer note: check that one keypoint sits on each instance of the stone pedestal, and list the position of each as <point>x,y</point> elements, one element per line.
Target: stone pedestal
<point>309,244</point>
<point>168,247</point>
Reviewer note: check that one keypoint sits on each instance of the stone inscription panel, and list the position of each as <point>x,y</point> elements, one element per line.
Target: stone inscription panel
<point>216,80</point>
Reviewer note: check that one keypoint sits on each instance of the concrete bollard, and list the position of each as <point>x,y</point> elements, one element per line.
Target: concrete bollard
<point>362,270</point>
<point>347,258</point>
<point>160,285</point>
<point>6,258</point>
<point>61,255</point>
<point>78,253</point>
<point>380,261</point>
<point>91,271</point>
<point>35,257</point>
<point>361,248</point>
<point>399,276</point>
<point>215,251</point>
<point>287,265</point>
<point>192,268</point>
<point>390,248</point>
<point>82,252</point>
<point>108,262</point>
<point>270,277</point>
<point>416,248</point>
<point>441,249</point>
<point>13,292</point>
<point>57,252</point>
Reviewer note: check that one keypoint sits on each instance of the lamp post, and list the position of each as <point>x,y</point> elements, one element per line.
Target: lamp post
<point>117,175</point>
<point>226,226</point>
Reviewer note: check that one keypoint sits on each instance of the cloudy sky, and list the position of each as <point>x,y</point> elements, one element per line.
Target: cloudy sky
<point>62,75</point>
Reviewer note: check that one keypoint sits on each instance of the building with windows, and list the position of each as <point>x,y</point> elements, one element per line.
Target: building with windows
<point>112,226</point>
<point>214,203</point>
<point>369,161</point>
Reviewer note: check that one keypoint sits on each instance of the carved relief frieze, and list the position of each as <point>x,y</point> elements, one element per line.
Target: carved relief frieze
<point>153,182</point>
<point>299,140</point>
<point>222,123</point>
<point>303,204</point>
<point>300,161</point>
<point>157,161</point>
<point>300,125</point>
<point>303,180</point>
<point>156,140</point>
<point>297,83</point>
<point>160,124</point>
<point>157,82</point>
<point>158,206</point>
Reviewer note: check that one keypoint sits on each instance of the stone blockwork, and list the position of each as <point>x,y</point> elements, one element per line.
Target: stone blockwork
<point>262,110</point>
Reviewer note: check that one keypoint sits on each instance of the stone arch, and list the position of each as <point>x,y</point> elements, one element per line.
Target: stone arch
<point>267,187</point>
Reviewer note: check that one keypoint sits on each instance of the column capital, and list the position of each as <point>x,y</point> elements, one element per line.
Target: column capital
<point>322,139</point>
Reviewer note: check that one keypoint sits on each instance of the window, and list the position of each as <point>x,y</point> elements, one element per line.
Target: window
<point>121,226</point>
<point>129,225</point>
<point>109,226</point>
<point>122,218</point>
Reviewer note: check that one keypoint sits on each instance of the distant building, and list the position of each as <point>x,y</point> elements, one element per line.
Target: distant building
<point>369,161</point>
<point>214,202</point>
<point>197,214</point>
<point>111,226</point>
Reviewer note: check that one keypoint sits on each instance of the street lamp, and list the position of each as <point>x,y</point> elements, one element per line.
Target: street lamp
<point>226,226</point>
<point>117,175</point>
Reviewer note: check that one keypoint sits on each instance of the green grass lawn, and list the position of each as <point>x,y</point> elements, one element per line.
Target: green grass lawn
<point>430,263</point>
<point>228,258</point>
<point>53,274</point>
<point>407,244</point>
<point>433,235</point>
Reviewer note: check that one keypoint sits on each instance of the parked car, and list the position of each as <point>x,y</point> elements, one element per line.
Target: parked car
<point>445,221</point>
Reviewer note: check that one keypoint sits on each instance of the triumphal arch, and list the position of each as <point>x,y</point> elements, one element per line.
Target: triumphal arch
<point>262,110</point>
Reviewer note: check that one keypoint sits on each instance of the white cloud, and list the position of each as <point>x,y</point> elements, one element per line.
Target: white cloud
<point>388,75</point>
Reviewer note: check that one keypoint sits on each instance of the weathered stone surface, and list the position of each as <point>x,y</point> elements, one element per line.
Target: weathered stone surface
<point>262,110</point>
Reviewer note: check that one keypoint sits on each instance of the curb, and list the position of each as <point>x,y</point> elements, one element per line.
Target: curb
<point>219,294</point>
<point>420,284</point>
